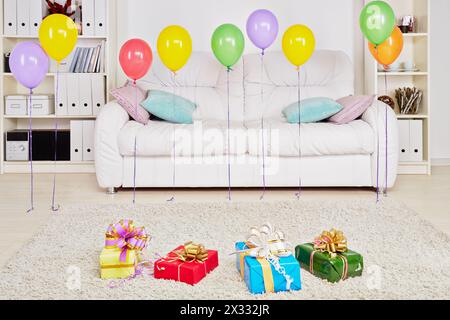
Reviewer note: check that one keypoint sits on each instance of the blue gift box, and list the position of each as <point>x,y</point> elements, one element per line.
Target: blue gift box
<point>254,276</point>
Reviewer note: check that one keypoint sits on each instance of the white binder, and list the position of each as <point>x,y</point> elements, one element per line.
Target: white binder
<point>411,140</point>
<point>10,17</point>
<point>403,128</point>
<point>23,17</point>
<point>88,18</point>
<point>100,17</point>
<point>98,92</point>
<point>37,13</point>
<point>88,140</point>
<point>73,95</point>
<point>85,90</point>
<point>76,140</point>
<point>416,140</point>
<point>61,95</point>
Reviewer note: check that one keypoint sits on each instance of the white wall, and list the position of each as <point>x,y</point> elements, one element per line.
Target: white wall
<point>440,82</point>
<point>332,21</point>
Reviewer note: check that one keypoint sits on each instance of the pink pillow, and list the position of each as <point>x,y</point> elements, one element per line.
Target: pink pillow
<point>354,107</point>
<point>128,96</point>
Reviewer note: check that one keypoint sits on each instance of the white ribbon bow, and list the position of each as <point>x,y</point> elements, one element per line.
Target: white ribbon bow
<point>268,241</point>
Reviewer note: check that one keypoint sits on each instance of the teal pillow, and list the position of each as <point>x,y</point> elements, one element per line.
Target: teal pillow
<point>312,110</point>
<point>169,107</point>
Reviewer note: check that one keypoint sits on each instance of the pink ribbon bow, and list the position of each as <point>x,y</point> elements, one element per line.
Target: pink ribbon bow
<point>125,236</point>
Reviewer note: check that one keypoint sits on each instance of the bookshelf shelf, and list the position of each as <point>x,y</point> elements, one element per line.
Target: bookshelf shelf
<point>9,86</point>
<point>403,74</point>
<point>52,116</point>
<point>80,37</point>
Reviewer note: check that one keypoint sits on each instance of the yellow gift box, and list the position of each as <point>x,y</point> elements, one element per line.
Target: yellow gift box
<point>112,268</point>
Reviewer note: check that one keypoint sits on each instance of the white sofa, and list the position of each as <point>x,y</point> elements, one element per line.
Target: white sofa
<point>332,155</point>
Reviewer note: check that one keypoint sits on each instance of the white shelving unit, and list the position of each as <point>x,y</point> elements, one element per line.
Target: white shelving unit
<point>416,49</point>
<point>9,86</point>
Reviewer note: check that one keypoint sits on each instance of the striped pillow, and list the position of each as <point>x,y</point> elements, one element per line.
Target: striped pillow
<point>354,107</point>
<point>129,97</point>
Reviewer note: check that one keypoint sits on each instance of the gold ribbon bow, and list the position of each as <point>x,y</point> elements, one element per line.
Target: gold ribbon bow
<point>192,252</point>
<point>332,241</point>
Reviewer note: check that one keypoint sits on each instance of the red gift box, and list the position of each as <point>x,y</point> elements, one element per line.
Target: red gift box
<point>191,272</point>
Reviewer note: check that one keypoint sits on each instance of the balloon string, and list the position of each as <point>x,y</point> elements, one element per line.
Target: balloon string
<point>135,143</point>
<point>30,152</point>
<point>386,137</point>
<point>262,130</point>
<point>228,133</point>
<point>56,207</point>
<point>378,149</point>
<point>298,194</point>
<point>173,141</point>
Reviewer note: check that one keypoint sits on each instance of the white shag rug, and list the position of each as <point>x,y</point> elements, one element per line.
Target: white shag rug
<point>404,256</point>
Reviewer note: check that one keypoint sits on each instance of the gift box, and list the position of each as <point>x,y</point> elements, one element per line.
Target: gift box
<point>112,268</point>
<point>121,254</point>
<point>328,257</point>
<point>189,263</point>
<point>261,276</point>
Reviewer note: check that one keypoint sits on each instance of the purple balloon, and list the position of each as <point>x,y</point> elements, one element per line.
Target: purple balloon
<point>262,28</point>
<point>29,64</point>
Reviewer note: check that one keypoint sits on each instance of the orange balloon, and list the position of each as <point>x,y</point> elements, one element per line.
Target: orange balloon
<point>387,52</point>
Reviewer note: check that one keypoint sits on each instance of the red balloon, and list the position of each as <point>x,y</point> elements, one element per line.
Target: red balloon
<point>136,58</point>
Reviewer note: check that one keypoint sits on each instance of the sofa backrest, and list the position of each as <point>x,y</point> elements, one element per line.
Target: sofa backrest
<point>327,74</point>
<point>203,81</point>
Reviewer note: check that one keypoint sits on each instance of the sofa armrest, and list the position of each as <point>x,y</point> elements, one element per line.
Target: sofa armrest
<point>108,160</point>
<point>375,116</point>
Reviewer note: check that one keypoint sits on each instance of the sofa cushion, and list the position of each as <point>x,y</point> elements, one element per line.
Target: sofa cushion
<point>327,74</point>
<point>317,139</point>
<point>203,138</point>
<point>169,107</point>
<point>204,82</point>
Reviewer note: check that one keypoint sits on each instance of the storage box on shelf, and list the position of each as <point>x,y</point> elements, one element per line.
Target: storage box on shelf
<point>88,91</point>
<point>415,128</point>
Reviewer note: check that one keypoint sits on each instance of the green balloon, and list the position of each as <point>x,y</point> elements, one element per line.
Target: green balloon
<point>377,21</point>
<point>228,44</point>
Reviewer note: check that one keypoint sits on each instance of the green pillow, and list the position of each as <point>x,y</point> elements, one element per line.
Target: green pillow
<point>169,107</point>
<point>312,110</point>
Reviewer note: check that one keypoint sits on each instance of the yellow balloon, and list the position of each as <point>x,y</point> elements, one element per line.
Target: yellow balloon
<point>174,47</point>
<point>58,35</point>
<point>298,44</point>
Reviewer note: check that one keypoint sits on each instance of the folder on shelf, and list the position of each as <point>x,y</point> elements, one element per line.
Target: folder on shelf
<point>100,17</point>
<point>10,17</point>
<point>85,94</point>
<point>88,140</point>
<point>76,140</point>
<point>88,60</point>
<point>38,9</point>
<point>61,95</point>
<point>73,95</point>
<point>98,92</point>
<point>88,18</point>
<point>416,140</point>
<point>74,61</point>
<point>23,17</point>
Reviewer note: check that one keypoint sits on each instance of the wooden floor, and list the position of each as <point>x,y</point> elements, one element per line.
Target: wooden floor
<point>428,195</point>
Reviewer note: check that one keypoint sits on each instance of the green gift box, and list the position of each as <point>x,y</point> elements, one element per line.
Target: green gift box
<point>333,268</point>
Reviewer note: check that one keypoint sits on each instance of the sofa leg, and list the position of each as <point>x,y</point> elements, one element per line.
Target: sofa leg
<point>111,190</point>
